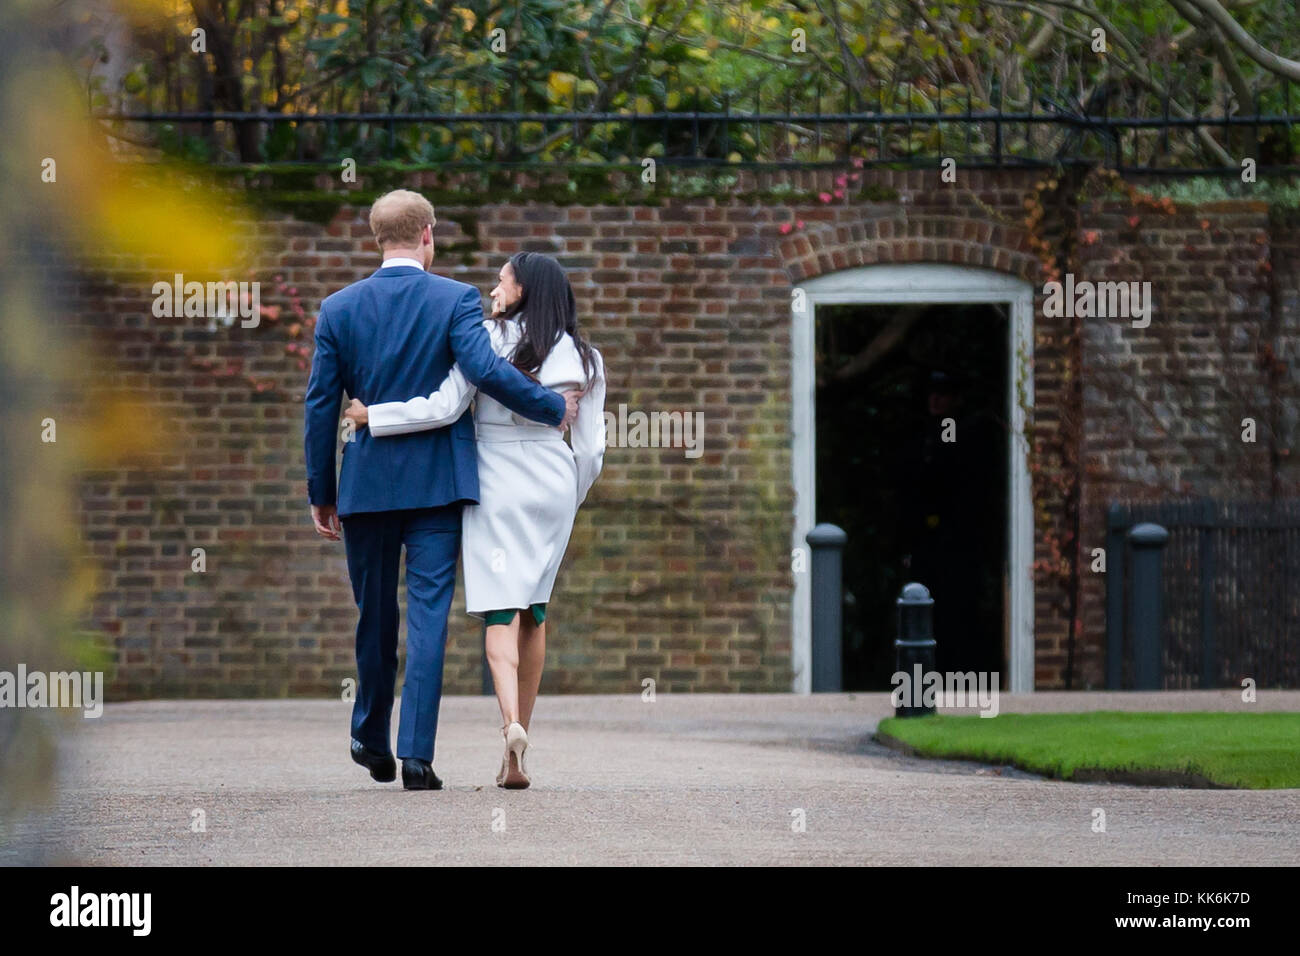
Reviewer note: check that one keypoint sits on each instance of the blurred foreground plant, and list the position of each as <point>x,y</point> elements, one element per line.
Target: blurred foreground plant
<point>68,205</point>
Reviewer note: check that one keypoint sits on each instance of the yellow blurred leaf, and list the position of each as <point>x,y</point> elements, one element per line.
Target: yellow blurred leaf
<point>151,220</point>
<point>121,430</point>
<point>115,207</point>
<point>467,18</point>
<point>560,86</point>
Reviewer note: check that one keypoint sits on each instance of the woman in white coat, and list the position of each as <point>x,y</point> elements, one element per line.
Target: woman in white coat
<point>530,481</point>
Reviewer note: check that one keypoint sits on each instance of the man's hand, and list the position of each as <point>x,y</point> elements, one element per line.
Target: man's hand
<point>571,399</point>
<point>357,412</point>
<point>326,519</point>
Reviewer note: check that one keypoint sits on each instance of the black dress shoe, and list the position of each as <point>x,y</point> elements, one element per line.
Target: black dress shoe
<point>381,766</point>
<point>418,775</point>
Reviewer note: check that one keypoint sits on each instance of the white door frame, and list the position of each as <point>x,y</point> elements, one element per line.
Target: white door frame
<point>902,284</point>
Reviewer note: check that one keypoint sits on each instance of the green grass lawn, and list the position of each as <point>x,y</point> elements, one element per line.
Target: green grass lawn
<point>1250,751</point>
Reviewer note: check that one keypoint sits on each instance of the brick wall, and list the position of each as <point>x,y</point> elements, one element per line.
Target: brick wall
<point>1163,406</point>
<point>678,570</point>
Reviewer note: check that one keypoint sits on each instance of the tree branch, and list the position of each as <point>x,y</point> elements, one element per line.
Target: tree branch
<point>1279,65</point>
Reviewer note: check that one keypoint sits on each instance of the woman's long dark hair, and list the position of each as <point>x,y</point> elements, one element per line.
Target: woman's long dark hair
<point>549,309</point>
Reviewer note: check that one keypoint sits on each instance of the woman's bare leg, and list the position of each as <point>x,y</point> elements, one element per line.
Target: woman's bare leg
<point>503,660</point>
<point>532,657</point>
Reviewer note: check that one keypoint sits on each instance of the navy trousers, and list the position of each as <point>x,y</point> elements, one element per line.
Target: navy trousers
<point>374,543</point>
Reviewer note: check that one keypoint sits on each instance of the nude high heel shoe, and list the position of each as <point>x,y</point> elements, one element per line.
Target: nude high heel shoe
<point>513,775</point>
<point>505,760</point>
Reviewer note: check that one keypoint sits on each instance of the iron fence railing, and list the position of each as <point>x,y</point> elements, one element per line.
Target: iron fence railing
<point>1229,594</point>
<point>1044,132</point>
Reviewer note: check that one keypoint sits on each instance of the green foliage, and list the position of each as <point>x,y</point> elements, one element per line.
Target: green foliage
<point>1201,189</point>
<point>455,57</point>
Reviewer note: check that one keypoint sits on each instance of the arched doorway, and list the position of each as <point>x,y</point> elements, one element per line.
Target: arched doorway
<point>907,290</point>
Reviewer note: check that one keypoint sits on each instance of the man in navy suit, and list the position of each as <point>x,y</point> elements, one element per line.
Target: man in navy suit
<point>383,339</point>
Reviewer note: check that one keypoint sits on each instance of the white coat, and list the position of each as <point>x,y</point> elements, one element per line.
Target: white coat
<point>530,481</point>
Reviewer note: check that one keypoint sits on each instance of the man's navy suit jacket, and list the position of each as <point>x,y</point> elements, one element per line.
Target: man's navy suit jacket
<point>387,338</point>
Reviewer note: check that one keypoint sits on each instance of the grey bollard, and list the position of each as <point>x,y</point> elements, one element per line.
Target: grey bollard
<point>827,543</point>
<point>914,648</point>
<point>1146,609</point>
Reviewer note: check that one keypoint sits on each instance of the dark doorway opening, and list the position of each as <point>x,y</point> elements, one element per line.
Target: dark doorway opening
<point>912,432</point>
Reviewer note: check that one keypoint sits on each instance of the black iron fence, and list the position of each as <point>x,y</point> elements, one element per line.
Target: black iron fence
<point>1043,130</point>
<point>1224,599</point>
